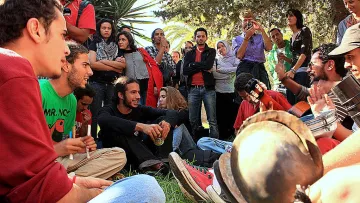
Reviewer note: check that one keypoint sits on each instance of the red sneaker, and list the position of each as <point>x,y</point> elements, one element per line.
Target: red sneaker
<point>193,179</point>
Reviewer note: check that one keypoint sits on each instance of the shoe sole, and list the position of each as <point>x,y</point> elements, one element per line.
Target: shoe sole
<point>183,176</point>
<point>213,195</point>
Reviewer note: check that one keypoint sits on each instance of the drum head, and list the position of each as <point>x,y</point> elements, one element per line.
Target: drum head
<point>274,152</point>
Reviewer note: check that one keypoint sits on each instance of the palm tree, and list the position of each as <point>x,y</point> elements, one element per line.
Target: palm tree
<point>123,13</point>
<point>179,33</point>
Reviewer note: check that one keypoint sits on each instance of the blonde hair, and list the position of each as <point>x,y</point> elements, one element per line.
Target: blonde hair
<point>247,14</point>
<point>174,99</point>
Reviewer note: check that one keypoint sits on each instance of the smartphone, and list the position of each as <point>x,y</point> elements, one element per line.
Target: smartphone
<point>249,25</point>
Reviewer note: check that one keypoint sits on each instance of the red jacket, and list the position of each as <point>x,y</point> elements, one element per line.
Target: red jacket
<point>155,78</point>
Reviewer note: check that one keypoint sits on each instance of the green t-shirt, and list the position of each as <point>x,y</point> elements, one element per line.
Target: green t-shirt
<point>60,112</point>
<point>273,60</point>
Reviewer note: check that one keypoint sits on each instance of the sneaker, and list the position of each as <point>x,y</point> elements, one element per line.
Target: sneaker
<point>193,179</point>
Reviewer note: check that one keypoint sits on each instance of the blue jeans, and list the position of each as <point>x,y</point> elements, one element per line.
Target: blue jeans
<point>104,93</point>
<point>134,189</point>
<point>196,96</point>
<point>182,140</point>
<point>215,145</point>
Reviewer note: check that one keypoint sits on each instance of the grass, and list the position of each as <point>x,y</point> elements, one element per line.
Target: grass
<point>171,189</point>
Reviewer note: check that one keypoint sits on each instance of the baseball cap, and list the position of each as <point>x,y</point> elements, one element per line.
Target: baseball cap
<point>350,41</point>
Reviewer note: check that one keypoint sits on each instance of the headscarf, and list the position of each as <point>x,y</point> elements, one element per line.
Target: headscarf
<point>229,59</point>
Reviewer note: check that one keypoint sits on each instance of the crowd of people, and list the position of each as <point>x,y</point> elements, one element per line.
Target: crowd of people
<point>90,102</point>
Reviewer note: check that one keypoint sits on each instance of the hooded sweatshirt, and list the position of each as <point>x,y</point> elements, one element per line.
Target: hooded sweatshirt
<point>225,73</point>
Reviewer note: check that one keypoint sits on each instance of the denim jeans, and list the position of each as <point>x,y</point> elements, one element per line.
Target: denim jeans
<point>134,189</point>
<point>104,93</point>
<point>215,145</point>
<point>196,96</point>
<point>182,140</point>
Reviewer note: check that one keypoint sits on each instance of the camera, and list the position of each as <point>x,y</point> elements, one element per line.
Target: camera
<point>67,12</point>
<point>249,25</point>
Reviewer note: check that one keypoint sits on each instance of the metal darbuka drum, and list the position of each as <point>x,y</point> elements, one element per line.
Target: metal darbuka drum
<point>324,125</point>
<point>273,153</point>
<point>348,92</point>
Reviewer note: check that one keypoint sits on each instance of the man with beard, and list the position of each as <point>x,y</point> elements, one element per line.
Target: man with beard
<point>326,71</point>
<point>126,124</point>
<point>59,105</point>
<point>198,64</point>
<point>159,51</point>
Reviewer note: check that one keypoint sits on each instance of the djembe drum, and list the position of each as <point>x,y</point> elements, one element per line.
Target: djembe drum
<point>273,153</point>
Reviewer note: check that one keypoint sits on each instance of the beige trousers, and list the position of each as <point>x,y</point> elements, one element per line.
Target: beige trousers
<point>103,163</point>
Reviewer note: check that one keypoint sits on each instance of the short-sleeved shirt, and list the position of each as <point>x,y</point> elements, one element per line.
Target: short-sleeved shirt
<point>254,50</point>
<point>302,45</point>
<point>87,18</point>
<point>273,60</point>
<point>60,112</point>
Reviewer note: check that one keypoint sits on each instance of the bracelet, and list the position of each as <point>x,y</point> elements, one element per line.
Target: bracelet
<point>293,70</point>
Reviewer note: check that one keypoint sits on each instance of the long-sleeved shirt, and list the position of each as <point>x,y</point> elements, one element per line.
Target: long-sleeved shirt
<point>29,173</point>
<point>112,121</point>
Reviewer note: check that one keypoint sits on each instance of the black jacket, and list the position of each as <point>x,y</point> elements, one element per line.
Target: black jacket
<point>207,61</point>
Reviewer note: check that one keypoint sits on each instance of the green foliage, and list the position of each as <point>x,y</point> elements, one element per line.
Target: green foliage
<point>224,15</point>
<point>123,12</point>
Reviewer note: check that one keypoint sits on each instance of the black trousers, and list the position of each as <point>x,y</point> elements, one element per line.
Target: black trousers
<point>226,111</point>
<point>139,149</point>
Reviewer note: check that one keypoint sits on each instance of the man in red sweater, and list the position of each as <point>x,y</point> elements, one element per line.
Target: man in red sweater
<point>248,107</point>
<point>33,44</point>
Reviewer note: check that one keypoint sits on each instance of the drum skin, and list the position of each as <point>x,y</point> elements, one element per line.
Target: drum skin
<point>273,153</point>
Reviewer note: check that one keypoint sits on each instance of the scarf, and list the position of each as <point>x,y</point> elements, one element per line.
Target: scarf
<point>106,51</point>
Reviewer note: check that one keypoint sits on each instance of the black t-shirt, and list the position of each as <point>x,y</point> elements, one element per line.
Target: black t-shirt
<point>302,45</point>
<point>107,77</point>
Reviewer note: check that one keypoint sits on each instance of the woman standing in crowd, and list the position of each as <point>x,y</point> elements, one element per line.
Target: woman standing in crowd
<point>225,74</point>
<point>301,46</point>
<point>183,143</point>
<point>102,55</point>
<point>142,67</point>
<point>179,79</point>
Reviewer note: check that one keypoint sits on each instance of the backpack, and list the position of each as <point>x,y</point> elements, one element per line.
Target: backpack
<point>82,6</point>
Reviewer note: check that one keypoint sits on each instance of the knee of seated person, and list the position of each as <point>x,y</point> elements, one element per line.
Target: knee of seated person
<point>151,188</point>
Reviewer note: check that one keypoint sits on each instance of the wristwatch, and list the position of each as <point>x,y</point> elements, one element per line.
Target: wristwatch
<point>293,70</point>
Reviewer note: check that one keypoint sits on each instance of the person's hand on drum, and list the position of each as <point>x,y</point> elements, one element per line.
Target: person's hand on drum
<point>319,101</point>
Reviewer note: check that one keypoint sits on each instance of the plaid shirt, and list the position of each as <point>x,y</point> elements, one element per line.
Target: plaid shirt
<point>167,59</point>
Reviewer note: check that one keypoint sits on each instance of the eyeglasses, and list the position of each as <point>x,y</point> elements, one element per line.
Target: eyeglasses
<point>311,64</point>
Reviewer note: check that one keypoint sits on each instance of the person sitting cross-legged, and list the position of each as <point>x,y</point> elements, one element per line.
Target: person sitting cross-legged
<point>59,105</point>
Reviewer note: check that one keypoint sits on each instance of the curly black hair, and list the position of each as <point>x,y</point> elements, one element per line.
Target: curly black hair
<point>97,35</point>
<point>241,81</point>
<point>121,86</point>
<point>14,15</point>
<point>81,92</point>
<point>75,50</point>
<point>339,61</point>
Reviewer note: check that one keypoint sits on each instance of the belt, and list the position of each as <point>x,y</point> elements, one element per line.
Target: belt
<point>197,86</point>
